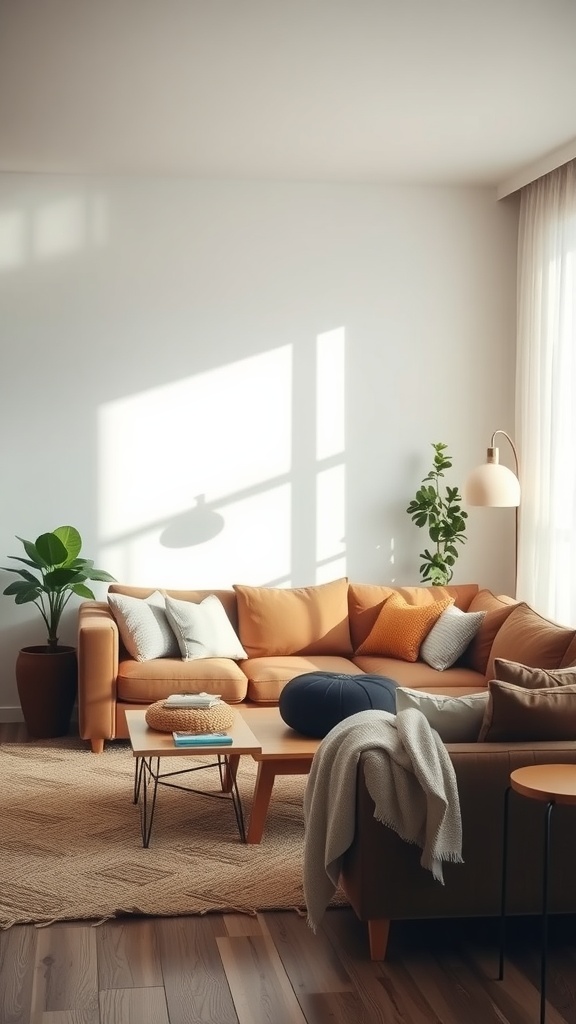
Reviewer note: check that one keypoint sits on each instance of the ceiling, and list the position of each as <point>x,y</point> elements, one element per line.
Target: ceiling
<point>439,91</point>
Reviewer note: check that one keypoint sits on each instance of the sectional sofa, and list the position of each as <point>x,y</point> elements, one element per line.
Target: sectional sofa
<point>334,628</point>
<point>284,633</point>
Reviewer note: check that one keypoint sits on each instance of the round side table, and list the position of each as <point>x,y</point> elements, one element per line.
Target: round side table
<point>551,784</point>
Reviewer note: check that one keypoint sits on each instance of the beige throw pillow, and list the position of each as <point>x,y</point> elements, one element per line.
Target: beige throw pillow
<point>203,630</point>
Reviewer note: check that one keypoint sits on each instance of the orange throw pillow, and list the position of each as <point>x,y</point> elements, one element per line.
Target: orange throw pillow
<point>400,628</point>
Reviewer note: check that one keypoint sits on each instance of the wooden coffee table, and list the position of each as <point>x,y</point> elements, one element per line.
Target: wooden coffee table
<point>149,746</point>
<point>282,752</point>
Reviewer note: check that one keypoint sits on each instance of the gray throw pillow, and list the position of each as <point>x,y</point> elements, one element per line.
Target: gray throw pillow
<point>144,627</point>
<point>449,637</point>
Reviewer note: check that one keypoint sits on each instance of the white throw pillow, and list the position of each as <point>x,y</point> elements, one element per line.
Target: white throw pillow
<point>449,637</point>
<point>144,627</point>
<point>455,719</point>
<point>203,630</point>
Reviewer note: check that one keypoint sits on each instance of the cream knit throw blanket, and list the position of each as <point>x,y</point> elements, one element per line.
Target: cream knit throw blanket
<point>411,780</point>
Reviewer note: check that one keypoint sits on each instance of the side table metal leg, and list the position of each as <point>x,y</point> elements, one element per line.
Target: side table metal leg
<point>544,952</point>
<point>138,771</point>
<point>504,884</point>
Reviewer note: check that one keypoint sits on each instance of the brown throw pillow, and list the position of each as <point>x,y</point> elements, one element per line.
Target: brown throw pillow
<point>533,678</point>
<point>515,714</point>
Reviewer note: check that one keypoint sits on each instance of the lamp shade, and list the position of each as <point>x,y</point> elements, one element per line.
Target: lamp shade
<point>493,485</point>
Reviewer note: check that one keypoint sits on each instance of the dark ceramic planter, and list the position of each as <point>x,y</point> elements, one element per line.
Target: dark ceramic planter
<point>47,681</point>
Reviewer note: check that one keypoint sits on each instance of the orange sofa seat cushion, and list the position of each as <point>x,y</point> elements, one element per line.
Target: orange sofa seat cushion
<point>144,682</point>
<point>401,627</point>
<point>273,621</point>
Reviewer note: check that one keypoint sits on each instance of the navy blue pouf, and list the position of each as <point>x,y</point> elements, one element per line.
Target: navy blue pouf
<point>315,702</point>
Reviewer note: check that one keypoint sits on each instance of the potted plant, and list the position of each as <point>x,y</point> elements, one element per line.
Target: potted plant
<point>444,517</point>
<point>46,675</point>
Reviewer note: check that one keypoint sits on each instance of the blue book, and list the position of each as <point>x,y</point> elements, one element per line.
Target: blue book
<point>201,739</point>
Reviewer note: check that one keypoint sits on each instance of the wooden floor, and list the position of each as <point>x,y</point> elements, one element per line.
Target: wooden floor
<point>271,969</point>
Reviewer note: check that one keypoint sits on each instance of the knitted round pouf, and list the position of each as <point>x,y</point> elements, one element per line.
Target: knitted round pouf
<point>315,702</point>
<point>214,719</point>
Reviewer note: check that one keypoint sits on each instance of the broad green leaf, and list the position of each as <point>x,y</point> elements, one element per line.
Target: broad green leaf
<point>71,540</point>
<point>82,591</point>
<point>51,549</point>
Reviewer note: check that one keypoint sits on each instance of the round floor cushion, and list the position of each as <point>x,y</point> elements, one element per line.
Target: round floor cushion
<point>214,719</point>
<point>315,702</point>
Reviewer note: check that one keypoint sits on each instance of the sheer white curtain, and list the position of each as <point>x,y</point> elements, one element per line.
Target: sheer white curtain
<point>546,394</point>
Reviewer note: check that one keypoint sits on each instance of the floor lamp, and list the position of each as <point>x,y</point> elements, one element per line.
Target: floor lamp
<point>496,486</point>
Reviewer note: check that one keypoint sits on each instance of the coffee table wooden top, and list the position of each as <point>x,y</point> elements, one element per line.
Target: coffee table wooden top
<point>147,742</point>
<point>278,742</point>
<point>546,782</point>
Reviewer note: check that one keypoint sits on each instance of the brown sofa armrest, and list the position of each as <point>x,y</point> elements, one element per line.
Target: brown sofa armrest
<point>384,880</point>
<point>97,673</point>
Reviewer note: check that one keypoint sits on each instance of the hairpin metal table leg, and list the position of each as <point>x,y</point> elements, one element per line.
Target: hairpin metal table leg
<point>146,813</point>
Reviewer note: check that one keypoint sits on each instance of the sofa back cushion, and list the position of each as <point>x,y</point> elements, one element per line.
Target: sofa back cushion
<point>365,601</point>
<point>569,658</point>
<point>497,610</point>
<point>273,621</point>
<point>530,639</point>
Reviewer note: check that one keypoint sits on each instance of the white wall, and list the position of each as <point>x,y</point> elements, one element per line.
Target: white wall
<point>287,352</point>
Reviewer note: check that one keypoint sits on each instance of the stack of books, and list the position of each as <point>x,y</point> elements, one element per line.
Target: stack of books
<point>201,739</point>
<point>192,700</point>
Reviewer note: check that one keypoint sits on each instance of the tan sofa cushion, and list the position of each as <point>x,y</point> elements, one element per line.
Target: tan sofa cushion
<point>514,714</point>
<point>267,677</point>
<point>419,676</point>
<point>365,601</point>
<point>497,610</point>
<point>530,639</point>
<point>401,627</point>
<point>143,682</point>
<point>302,620</point>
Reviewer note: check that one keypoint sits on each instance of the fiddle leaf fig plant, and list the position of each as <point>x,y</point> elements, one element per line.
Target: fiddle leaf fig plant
<point>440,510</point>
<point>60,572</point>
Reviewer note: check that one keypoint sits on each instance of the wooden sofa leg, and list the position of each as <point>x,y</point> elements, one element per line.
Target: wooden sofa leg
<point>378,931</point>
<point>97,746</point>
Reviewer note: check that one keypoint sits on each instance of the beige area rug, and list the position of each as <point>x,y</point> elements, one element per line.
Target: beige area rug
<point>70,843</point>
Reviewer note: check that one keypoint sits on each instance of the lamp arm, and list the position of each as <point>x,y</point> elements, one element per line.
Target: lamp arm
<point>511,443</point>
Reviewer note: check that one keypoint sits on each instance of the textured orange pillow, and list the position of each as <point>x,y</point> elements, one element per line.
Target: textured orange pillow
<point>275,621</point>
<point>401,627</point>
